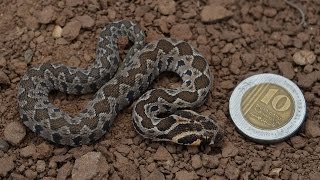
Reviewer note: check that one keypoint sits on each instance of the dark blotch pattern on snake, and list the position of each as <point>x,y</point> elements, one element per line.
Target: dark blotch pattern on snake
<point>117,85</point>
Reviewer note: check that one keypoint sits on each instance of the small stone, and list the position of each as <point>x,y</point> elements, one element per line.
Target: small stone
<point>308,68</point>
<point>14,133</point>
<point>275,172</point>
<point>4,79</point>
<point>64,171</point>
<point>89,166</point>
<point>286,40</point>
<point>30,174</point>
<point>44,150</point>
<point>298,142</point>
<point>214,13</point>
<point>185,175</point>
<point>210,161</point>
<point>31,22</point>
<point>286,68</point>
<point>28,151</point>
<point>41,166</point>
<point>308,80</point>
<point>156,175</point>
<point>19,67</point>
<point>28,54</point>
<point>162,154</point>
<point>232,172</point>
<point>167,7</point>
<point>196,162</point>
<point>181,31</point>
<point>57,32</point>
<point>7,165</point>
<point>123,149</point>
<point>73,3</point>
<point>3,62</point>
<point>71,30</point>
<point>229,150</point>
<point>4,146</point>
<point>270,12</point>
<point>304,57</point>
<point>86,21</point>
<point>228,84</point>
<point>312,129</point>
<point>229,47</point>
<point>257,164</point>
<point>247,29</point>
<point>248,59</point>
<point>46,15</point>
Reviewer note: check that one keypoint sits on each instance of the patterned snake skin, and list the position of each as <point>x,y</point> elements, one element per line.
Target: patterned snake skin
<point>156,115</point>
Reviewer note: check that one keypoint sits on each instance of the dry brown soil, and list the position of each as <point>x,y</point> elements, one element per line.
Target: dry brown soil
<point>242,39</point>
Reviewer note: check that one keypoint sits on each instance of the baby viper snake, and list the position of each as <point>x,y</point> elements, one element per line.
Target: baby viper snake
<point>157,114</point>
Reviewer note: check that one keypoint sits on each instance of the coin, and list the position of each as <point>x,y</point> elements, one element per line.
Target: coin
<point>267,108</point>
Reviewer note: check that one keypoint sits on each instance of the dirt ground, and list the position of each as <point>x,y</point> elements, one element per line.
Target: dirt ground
<point>238,38</point>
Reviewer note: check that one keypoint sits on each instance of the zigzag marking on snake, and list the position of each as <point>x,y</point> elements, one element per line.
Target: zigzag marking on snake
<point>158,114</point>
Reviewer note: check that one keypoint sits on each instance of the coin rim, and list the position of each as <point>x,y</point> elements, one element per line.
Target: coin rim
<point>260,135</point>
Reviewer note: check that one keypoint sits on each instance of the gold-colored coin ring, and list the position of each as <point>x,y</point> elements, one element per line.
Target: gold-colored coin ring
<point>267,108</point>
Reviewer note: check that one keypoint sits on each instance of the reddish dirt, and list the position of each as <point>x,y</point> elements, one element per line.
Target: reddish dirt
<point>242,39</point>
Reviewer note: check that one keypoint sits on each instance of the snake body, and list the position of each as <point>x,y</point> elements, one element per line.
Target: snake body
<point>157,114</point>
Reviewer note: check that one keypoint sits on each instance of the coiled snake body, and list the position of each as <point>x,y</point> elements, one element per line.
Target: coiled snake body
<point>156,115</point>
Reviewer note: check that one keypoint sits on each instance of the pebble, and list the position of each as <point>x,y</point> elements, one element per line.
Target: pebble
<point>19,67</point>
<point>162,154</point>
<point>46,15</point>
<point>71,30</point>
<point>304,57</point>
<point>64,171</point>
<point>156,175</point>
<point>228,84</point>
<point>28,151</point>
<point>28,54</point>
<point>196,162</point>
<point>73,3</point>
<point>248,59</point>
<point>14,133</point>
<point>41,166</point>
<point>181,31</point>
<point>229,150</point>
<point>167,7</point>
<point>44,150</point>
<point>4,79</point>
<point>57,31</point>
<point>307,81</point>
<point>275,172</point>
<point>312,128</point>
<point>7,165</point>
<point>186,175</point>
<point>286,68</point>
<point>232,172</point>
<point>30,174</point>
<point>3,62</point>
<point>210,161</point>
<point>214,13</point>
<point>89,166</point>
<point>257,164</point>
<point>123,149</point>
<point>86,21</point>
<point>4,146</point>
<point>298,142</point>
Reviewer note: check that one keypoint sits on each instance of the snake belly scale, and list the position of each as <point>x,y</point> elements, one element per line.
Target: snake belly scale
<point>158,114</point>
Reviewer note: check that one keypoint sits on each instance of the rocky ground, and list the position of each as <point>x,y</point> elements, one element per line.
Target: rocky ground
<point>239,39</point>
